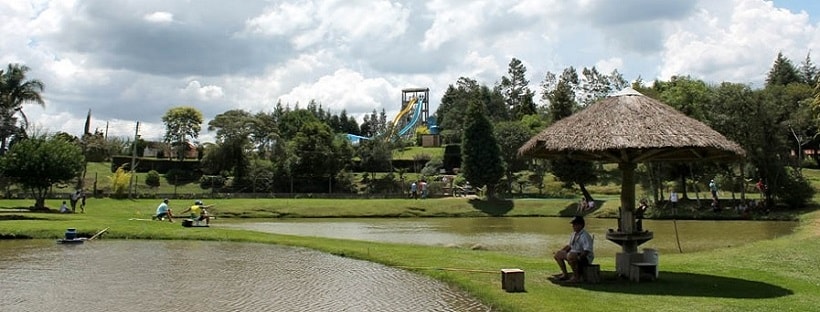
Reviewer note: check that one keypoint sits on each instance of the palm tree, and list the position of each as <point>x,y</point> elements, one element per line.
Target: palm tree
<point>15,91</point>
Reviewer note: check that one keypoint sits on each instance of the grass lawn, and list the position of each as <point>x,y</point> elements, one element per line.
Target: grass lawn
<point>778,274</point>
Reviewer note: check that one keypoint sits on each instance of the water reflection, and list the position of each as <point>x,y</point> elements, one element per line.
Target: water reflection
<point>524,236</point>
<point>107,275</point>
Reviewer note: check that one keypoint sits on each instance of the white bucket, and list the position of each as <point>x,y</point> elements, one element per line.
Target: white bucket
<point>651,256</point>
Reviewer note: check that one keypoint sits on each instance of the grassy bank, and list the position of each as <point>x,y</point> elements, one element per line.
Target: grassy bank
<point>769,275</point>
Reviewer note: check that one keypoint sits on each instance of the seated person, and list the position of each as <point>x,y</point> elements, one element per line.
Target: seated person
<point>577,253</point>
<point>64,208</point>
<point>163,211</point>
<point>198,212</point>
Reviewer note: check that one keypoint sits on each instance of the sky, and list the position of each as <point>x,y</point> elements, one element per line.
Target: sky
<point>131,61</point>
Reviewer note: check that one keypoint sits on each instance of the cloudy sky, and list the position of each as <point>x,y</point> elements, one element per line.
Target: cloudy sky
<point>131,61</point>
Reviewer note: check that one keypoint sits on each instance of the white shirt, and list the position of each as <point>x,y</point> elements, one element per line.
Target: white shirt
<point>581,241</point>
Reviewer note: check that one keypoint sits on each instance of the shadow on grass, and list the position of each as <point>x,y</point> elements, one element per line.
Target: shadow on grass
<point>687,285</point>
<point>495,207</point>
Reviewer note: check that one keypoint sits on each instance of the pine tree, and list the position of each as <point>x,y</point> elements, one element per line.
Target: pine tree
<point>808,72</point>
<point>516,91</point>
<point>481,162</point>
<point>782,73</point>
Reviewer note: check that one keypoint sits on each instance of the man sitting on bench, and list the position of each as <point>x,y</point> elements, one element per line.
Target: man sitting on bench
<point>577,253</point>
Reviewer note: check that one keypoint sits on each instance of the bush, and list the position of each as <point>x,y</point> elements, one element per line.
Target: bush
<point>180,177</point>
<point>795,191</point>
<point>152,179</point>
<point>120,181</point>
<point>211,182</point>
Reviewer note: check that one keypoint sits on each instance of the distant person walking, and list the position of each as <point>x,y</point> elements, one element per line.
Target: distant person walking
<point>74,198</point>
<point>414,193</point>
<point>713,189</point>
<point>82,201</point>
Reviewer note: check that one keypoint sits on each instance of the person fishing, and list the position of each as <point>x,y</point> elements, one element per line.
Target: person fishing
<point>198,212</point>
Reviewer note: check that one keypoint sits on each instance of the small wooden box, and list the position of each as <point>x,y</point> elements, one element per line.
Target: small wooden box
<point>512,280</point>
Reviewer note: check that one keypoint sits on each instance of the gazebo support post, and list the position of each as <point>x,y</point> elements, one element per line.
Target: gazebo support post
<point>627,236</point>
<point>626,220</point>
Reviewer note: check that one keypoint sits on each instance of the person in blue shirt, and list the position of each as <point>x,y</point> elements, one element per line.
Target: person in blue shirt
<point>163,211</point>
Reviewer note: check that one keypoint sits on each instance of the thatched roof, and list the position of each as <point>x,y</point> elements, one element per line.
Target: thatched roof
<point>631,127</point>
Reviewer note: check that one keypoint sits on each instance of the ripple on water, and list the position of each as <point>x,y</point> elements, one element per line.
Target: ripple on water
<point>208,276</point>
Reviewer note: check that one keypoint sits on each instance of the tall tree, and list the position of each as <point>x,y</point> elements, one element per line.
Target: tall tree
<point>481,156</point>
<point>39,162</point>
<point>15,91</point>
<point>562,105</point>
<point>686,94</point>
<point>515,89</point>
<point>265,133</point>
<point>808,72</point>
<point>182,123</point>
<point>783,72</point>
<point>233,132</point>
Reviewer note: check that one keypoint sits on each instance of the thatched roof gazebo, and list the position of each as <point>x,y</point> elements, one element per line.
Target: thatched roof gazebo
<point>628,128</point>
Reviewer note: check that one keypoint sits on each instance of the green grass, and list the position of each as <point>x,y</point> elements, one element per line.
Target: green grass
<point>410,152</point>
<point>773,275</point>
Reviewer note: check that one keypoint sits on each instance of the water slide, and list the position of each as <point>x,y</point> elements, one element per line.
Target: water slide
<point>416,108</point>
<point>416,116</point>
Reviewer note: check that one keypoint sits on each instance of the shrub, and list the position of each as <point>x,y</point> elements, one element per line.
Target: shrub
<point>795,191</point>
<point>120,181</point>
<point>152,179</point>
<point>180,177</point>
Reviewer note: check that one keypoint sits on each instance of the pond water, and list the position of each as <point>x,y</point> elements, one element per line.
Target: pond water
<point>524,236</point>
<point>118,275</point>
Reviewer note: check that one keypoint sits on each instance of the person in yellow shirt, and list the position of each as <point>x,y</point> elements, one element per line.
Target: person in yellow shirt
<point>198,212</point>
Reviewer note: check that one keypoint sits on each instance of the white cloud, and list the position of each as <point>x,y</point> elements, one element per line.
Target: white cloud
<point>739,47</point>
<point>202,93</point>
<point>451,20</point>
<point>159,17</point>
<point>608,65</point>
<point>344,89</point>
<point>117,58</point>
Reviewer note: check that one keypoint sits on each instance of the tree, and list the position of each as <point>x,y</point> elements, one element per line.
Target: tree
<point>516,91</point>
<point>265,133</point>
<point>562,104</point>
<point>453,107</point>
<point>481,157</point>
<point>783,72</point>
<point>511,135</point>
<point>234,129</point>
<point>39,162</point>
<point>182,123</point>
<point>808,72</point>
<point>15,91</point>
<point>313,147</point>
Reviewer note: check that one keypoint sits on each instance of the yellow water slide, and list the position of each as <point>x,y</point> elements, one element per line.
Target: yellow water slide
<point>403,112</point>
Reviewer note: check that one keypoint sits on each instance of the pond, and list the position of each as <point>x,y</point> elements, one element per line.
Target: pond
<point>531,236</point>
<point>120,275</point>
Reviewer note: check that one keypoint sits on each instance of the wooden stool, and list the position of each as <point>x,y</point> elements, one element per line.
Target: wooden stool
<point>512,280</point>
<point>591,273</point>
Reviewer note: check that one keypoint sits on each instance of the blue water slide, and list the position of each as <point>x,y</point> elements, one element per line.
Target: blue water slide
<point>415,120</point>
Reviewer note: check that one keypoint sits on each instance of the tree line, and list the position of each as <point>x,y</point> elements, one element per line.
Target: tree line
<point>774,123</point>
